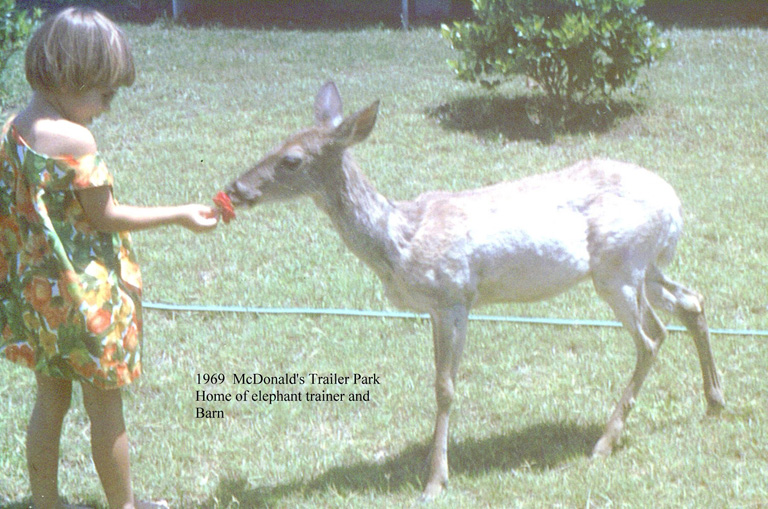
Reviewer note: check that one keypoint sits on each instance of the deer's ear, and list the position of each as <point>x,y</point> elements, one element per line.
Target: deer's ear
<point>357,127</point>
<point>328,112</point>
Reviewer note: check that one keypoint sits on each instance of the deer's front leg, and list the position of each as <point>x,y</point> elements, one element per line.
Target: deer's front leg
<point>449,331</point>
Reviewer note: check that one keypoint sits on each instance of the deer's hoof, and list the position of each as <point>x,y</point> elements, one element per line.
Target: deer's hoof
<point>715,405</point>
<point>602,449</point>
<point>432,491</point>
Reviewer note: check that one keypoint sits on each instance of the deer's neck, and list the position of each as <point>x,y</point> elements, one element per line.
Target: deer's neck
<point>369,223</point>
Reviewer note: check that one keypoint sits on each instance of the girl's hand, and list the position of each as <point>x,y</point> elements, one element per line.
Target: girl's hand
<point>198,218</point>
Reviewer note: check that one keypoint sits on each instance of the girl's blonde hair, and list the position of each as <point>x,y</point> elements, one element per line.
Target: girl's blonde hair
<point>76,50</point>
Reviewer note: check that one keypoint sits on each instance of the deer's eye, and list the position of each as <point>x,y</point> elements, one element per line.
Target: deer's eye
<point>291,161</point>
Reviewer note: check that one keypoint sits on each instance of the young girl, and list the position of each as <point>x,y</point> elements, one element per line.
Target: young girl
<point>70,288</point>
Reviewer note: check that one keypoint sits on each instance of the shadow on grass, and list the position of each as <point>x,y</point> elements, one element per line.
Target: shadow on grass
<point>495,117</point>
<point>26,504</point>
<point>539,447</point>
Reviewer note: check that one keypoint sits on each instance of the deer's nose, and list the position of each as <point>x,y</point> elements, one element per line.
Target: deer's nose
<point>241,193</point>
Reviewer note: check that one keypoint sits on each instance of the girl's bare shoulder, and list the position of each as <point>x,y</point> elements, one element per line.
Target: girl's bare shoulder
<point>56,137</point>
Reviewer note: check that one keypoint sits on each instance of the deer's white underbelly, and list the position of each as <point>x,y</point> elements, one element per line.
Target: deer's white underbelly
<point>527,258</point>
<point>536,257</point>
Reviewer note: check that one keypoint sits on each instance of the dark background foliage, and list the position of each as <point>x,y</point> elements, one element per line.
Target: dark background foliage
<point>343,13</point>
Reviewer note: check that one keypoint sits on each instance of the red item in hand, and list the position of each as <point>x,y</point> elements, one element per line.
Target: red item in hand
<point>224,205</point>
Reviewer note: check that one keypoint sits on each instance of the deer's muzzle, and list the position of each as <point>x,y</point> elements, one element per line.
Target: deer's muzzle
<point>241,194</point>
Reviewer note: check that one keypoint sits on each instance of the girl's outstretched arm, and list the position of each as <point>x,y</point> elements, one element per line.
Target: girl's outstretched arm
<point>107,216</point>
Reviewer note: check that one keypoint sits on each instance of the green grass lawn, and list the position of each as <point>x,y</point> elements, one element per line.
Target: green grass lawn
<point>531,399</point>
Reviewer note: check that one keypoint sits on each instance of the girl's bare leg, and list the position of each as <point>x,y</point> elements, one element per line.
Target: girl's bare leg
<point>109,444</point>
<point>54,396</point>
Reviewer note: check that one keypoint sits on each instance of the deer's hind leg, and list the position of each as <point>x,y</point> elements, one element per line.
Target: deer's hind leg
<point>688,306</point>
<point>627,297</point>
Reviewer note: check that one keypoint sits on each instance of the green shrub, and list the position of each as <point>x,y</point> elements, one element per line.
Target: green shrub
<point>15,27</point>
<point>573,49</point>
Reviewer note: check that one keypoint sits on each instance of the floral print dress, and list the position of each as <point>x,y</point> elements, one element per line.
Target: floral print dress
<point>70,296</point>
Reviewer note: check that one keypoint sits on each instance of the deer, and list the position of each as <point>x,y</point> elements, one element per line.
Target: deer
<point>445,253</point>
